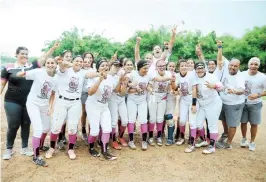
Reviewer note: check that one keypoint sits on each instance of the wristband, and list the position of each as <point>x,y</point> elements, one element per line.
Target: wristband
<point>194,101</point>
<point>219,47</point>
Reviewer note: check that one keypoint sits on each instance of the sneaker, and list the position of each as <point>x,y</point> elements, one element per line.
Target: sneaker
<point>190,149</point>
<point>39,161</point>
<point>8,154</point>
<point>169,142</point>
<point>64,140</point>
<point>252,146</point>
<point>227,146</point>
<point>219,145</point>
<point>209,150</point>
<point>122,141</point>
<point>151,142</point>
<point>44,148</point>
<point>159,141</point>
<point>132,145</point>
<point>201,143</point>
<point>49,154</point>
<point>116,146</point>
<point>109,156</point>
<point>71,154</point>
<point>180,141</point>
<point>26,151</point>
<point>94,153</point>
<point>144,145</point>
<point>223,138</point>
<point>244,143</point>
<point>60,145</point>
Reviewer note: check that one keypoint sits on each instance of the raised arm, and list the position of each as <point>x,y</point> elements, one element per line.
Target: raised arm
<point>49,53</point>
<point>137,50</point>
<point>171,44</point>
<point>200,54</point>
<point>220,61</point>
<point>93,89</point>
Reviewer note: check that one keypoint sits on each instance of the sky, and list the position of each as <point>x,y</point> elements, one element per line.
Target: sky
<point>30,23</point>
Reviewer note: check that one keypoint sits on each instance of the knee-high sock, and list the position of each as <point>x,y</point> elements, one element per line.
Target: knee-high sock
<point>105,138</point>
<point>122,131</point>
<point>53,138</point>
<point>42,139</point>
<point>36,146</point>
<point>182,130</point>
<point>113,134</point>
<point>159,127</point>
<point>213,138</point>
<point>72,140</point>
<point>193,136</point>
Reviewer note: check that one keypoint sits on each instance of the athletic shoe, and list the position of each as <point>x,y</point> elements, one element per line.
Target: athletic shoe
<point>252,146</point>
<point>151,142</point>
<point>84,137</point>
<point>64,140</point>
<point>109,156</point>
<point>244,143</point>
<point>8,154</point>
<point>132,145</point>
<point>144,145</point>
<point>180,141</point>
<point>49,154</point>
<point>219,145</point>
<point>26,151</point>
<point>61,145</point>
<point>44,148</point>
<point>190,149</point>
<point>201,143</point>
<point>116,146</point>
<point>159,141</point>
<point>223,138</point>
<point>228,146</point>
<point>71,154</point>
<point>169,142</point>
<point>39,161</point>
<point>94,153</point>
<point>209,150</point>
<point>122,141</point>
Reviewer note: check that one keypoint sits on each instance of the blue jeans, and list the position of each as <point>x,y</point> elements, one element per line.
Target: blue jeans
<point>17,116</point>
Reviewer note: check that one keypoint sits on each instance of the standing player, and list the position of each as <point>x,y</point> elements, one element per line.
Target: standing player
<point>255,88</point>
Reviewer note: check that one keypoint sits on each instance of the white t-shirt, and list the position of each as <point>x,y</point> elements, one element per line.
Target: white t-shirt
<point>42,86</point>
<point>152,67</point>
<point>102,95</point>
<point>235,82</point>
<point>160,89</point>
<point>116,97</point>
<point>205,94</point>
<point>142,82</point>
<point>70,83</point>
<point>185,85</point>
<point>254,84</point>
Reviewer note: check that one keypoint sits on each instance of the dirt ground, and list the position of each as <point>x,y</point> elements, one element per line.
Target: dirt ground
<point>155,164</point>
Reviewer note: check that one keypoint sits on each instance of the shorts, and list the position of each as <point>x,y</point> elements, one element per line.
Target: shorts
<point>232,114</point>
<point>252,113</point>
<point>84,97</point>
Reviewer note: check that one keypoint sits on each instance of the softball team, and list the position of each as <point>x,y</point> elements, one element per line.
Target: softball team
<point>116,95</point>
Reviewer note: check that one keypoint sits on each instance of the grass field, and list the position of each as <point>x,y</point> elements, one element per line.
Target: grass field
<point>264,98</point>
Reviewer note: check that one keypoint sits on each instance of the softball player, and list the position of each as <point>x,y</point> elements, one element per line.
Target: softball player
<point>100,90</point>
<point>210,104</point>
<point>137,103</point>
<point>157,103</point>
<point>87,65</point>
<point>67,104</point>
<point>38,104</point>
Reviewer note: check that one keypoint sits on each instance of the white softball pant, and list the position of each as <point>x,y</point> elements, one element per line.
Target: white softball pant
<point>135,109</point>
<point>211,112</point>
<point>39,118</point>
<point>99,116</point>
<point>118,109</point>
<point>66,109</point>
<point>170,106</point>
<point>186,114</point>
<point>156,110</point>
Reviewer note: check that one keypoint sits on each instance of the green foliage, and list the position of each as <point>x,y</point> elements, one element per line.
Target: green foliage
<point>253,43</point>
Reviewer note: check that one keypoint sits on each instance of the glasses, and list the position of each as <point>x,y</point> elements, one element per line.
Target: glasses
<point>161,66</point>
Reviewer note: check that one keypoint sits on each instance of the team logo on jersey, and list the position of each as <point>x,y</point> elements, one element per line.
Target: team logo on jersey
<point>107,92</point>
<point>184,88</point>
<point>162,87</point>
<point>73,85</point>
<point>143,87</point>
<point>248,86</point>
<point>46,88</point>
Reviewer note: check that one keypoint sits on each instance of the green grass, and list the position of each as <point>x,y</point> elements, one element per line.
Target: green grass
<point>264,98</point>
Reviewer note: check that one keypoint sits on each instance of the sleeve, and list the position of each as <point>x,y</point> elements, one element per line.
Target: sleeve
<point>151,75</point>
<point>31,74</point>
<point>90,82</point>
<point>4,74</point>
<point>35,64</point>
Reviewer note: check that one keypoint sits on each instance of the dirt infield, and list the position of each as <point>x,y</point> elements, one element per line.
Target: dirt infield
<point>155,164</point>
